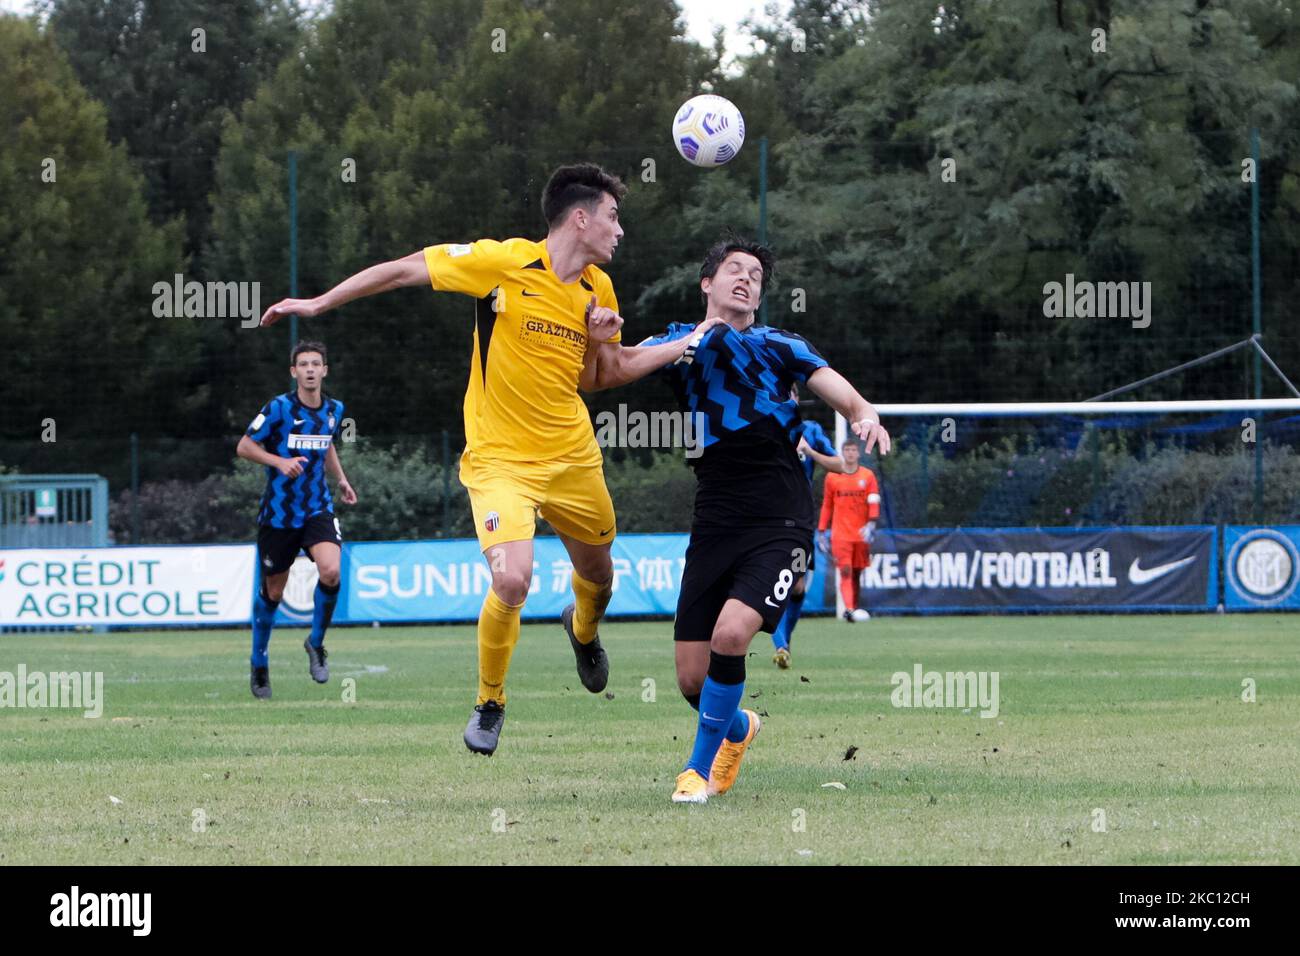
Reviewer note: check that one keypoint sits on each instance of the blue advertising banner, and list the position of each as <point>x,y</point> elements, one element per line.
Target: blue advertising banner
<point>1043,569</point>
<point>1261,567</point>
<point>447,580</point>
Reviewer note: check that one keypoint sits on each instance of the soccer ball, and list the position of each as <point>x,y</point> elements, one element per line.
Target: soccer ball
<point>708,130</point>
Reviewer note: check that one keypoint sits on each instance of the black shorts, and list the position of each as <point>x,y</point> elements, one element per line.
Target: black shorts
<point>756,566</point>
<point>277,548</point>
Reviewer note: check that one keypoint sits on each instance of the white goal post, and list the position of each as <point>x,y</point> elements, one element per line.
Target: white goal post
<point>940,410</point>
<point>1015,409</point>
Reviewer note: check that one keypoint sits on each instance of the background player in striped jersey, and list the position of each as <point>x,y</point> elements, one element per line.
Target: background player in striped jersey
<point>753,520</point>
<point>530,448</point>
<point>850,507</point>
<point>293,436</point>
<point>814,448</point>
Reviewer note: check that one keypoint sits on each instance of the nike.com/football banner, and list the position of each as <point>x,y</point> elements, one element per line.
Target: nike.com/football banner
<point>1028,569</point>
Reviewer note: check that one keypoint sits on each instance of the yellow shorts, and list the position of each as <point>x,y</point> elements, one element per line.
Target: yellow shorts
<point>508,496</point>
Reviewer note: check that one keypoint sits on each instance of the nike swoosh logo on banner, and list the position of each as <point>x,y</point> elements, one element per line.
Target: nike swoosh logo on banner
<point>1137,575</point>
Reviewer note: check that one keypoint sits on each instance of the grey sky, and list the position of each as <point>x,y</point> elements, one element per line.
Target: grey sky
<point>703,15</point>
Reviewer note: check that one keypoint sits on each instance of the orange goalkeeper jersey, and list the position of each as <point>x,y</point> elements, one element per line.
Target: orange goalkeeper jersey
<point>849,502</point>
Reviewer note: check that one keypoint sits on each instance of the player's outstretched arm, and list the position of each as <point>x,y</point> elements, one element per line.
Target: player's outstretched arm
<point>399,273</point>
<point>614,364</point>
<point>610,364</point>
<point>831,463</point>
<point>834,389</point>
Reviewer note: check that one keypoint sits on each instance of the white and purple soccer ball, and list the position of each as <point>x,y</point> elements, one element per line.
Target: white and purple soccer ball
<point>708,130</point>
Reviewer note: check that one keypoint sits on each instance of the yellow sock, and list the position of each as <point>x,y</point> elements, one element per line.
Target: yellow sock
<point>590,602</point>
<point>498,633</point>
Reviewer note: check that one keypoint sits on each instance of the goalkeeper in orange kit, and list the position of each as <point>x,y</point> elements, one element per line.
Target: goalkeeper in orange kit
<point>850,507</point>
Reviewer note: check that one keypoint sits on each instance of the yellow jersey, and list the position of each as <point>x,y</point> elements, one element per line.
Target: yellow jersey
<point>530,336</point>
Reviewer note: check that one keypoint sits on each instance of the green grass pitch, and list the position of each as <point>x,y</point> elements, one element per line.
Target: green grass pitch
<point>1139,718</point>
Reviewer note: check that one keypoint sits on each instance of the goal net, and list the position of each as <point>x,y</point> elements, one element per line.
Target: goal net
<point>1074,466</point>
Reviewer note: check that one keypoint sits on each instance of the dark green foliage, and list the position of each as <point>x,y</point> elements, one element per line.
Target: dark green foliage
<point>78,258</point>
<point>1011,483</point>
<point>167,91</point>
<point>399,488</point>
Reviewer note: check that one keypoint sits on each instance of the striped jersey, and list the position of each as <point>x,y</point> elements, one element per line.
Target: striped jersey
<point>737,387</point>
<point>290,429</point>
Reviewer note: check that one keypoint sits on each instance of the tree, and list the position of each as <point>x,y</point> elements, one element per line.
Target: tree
<point>454,114</point>
<point>78,259</point>
<point>1115,165</point>
<point>168,71</point>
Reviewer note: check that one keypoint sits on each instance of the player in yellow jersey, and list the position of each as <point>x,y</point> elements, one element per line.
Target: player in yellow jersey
<point>541,311</point>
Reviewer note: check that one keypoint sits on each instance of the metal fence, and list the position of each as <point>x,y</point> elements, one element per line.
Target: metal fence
<point>53,511</point>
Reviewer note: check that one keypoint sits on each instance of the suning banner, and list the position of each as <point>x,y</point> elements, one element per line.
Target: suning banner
<point>447,580</point>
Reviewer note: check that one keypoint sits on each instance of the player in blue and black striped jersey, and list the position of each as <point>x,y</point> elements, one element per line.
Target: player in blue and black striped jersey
<point>753,523</point>
<point>814,448</point>
<point>293,436</point>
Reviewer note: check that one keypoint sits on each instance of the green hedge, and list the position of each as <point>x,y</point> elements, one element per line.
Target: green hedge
<point>1008,484</point>
<point>400,496</point>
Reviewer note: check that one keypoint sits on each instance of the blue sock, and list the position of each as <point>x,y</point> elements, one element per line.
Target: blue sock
<point>263,617</point>
<point>322,612</point>
<point>719,707</point>
<point>785,630</point>
<point>739,726</point>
